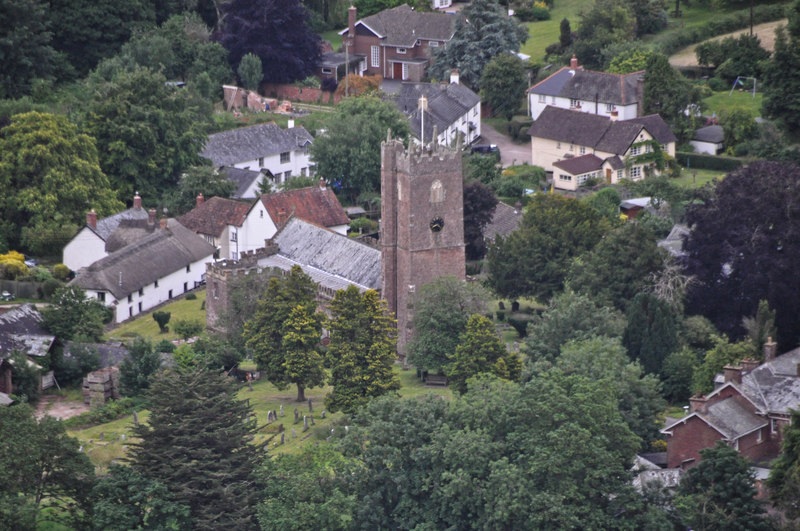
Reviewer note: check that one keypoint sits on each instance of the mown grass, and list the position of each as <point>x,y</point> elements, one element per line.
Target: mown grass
<point>727,100</point>
<point>696,178</point>
<point>333,37</point>
<point>145,325</point>
<point>543,33</point>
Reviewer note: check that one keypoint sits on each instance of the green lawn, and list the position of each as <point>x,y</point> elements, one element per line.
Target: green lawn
<point>697,178</point>
<point>145,326</point>
<point>333,37</point>
<point>545,32</point>
<point>697,14</point>
<point>725,100</point>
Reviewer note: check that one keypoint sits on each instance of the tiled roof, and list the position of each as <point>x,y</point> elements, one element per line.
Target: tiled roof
<point>142,263</point>
<point>313,204</point>
<point>589,85</point>
<point>584,129</point>
<point>214,215</point>
<point>108,225</point>
<point>331,259</point>
<point>251,143</point>
<point>657,127</point>
<point>506,219</point>
<point>402,26</point>
<point>580,165</point>
<point>242,178</point>
<point>447,102</point>
<point>21,330</point>
<point>709,133</point>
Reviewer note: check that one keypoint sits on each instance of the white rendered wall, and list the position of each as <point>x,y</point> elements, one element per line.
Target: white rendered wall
<point>84,249</point>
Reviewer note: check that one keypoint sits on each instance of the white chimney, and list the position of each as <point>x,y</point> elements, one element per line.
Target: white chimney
<point>291,123</point>
<point>454,76</point>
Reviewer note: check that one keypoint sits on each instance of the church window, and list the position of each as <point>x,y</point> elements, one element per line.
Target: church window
<point>437,192</point>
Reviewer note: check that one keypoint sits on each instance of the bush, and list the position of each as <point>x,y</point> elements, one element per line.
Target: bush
<point>309,82</point>
<point>106,413</point>
<point>329,84</point>
<point>718,84</point>
<point>50,286</point>
<point>708,162</point>
<point>186,329</point>
<point>165,345</point>
<point>501,315</point>
<point>12,265</point>
<point>191,296</point>
<point>363,226</point>
<point>532,14</point>
<point>70,370</point>
<point>518,128</point>
<point>162,318</point>
<point>520,323</point>
<point>474,268</point>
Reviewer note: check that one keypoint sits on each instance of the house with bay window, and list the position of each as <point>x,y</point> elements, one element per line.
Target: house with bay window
<point>397,43</point>
<point>574,146</point>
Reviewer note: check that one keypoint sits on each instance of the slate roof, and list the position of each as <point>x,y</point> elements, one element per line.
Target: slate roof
<point>732,419</point>
<point>657,127</point>
<point>106,226</point>
<point>447,102</point>
<point>505,220</point>
<point>110,354</point>
<point>402,26</point>
<point>673,243</point>
<point>251,143</point>
<point>242,178</point>
<point>336,59</point>
<point>313,204</point>
<point>580,165</point>
<point>710,133</point>
<point>21,329</point>
<point>584,129</point>
<point>145,261</point>
<point>590,85</point>
<point>214,215</point>
<point>331,259</point>
<point>775,385</point>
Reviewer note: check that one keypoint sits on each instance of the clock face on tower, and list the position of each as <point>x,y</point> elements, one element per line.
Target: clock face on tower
<point>437,224</point>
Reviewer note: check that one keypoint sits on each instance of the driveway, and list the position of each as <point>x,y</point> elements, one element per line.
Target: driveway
<point>511,153</point>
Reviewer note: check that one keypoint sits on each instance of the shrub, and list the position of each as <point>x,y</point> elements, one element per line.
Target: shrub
<point>501,315</point>
<point>191,296</point>
<point>363,226</point>
<point>518,128</point>
<point>50,286</point>
<point>165,345</point>
<point>718,84</point>
<point>12,265</point>
<point>106,413</point>
<point>186,329</point>
<point>532,14</point>
<point>309,82</point>
<point>474,268</point>
<point>329,84</point>
<point>70,370</point>
<point>707,162</point>
<point>39,274</point>
<point>162,318</point>
<point>520,323</point>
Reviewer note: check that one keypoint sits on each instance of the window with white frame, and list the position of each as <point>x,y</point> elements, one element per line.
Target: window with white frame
<point>474,111</point>
<point>287,175</point>
<point>620,174</point>
<point>582,150</point>
<point>375,55</point>
<point>564,177</point>
<point>433,44</point>
<point>773,425</point>
<point>636,172</point>
<point>572,147</point>
<point>304,172</point>
<point>759,439</point>
<point>648,148</point>
<point>574,103</point>
<point>234,236</point>
<point>635,150</point>
<point>542,98</point>
<point>405,71</point>
<point>583,178</point>
<point>286,156</point>
<point>610,107</point>
<point>401,51</point>
<point>327,71</point>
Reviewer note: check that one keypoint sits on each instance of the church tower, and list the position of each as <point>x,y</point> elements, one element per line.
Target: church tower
<point>422,224</point>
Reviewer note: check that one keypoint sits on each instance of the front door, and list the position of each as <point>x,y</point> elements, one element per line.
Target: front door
<point>608,175</point>
<point>397,71</point>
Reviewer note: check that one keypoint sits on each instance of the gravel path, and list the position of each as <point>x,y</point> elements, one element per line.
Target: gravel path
<point>511,153</point>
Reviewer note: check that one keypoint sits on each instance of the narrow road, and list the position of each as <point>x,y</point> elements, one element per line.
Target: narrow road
<point>511,153</point>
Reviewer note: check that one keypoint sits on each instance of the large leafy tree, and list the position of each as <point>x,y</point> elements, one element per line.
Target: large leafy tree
<point>618,267</point>
<point>41,467</point>
<point>194,181</point>
<point>483,31</point>
<point>781,88</point>
<point>50,175</point>
<point>652,333</point>
<point>503,456</point>
<point>479,206</point>
<point>441,311</point>
<point>303,362</point>
<point>784,478</point>
<point>743,248</point>
<point>277,31</point>
<point>719,493</point>
<point>25,46</point>
<point>71,315</point>
<point>139,367</point>
<point>147,132</point>
<point>669,94</point>
<point>349,153</point>
<point>534,260</point>
<point>362,350</point>
<point>198,442</point>
<point>480,350</point>
<point>266,331</point>
<point>503,84</point>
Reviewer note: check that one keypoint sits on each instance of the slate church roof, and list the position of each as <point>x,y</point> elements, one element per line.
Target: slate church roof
<point>447,102</point>
<point>251,143</point>
<point>143,262</point>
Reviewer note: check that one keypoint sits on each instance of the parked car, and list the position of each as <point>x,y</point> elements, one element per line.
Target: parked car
<point>485,149</point>
<point>6,296</point>
<point>31,262</point>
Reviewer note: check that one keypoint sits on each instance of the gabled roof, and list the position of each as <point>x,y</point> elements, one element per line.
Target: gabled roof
<point>775,385</point>
<point>145,261</point>
<point>505,220</point>
<point>106,226</point>
<point>657,127</point>
<point>584,129</point>
<point>402,26</point>
<point>21,330</point>
<point>214,215</point>
<point>590,85</point>
<point>129,231</point>
<point>313,204</point>
<point>110,354</point>
<point>447,102</point>
<point>331,259</point>
<point>242,178</point>
<point>251,143</point>
<point>580,165</point>
<point>710,133</point>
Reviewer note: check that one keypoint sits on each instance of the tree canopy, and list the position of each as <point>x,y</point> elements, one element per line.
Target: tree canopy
<point>651,334</point>
<point>349,153</point>
<point>782,89</point>
<point>276,31</point>
<point>71,315</point>
<point>479,206</point>
<point>669,94</point>
<point>25,47</point>
<point>483,32</point>
<point>742,249</point>
<point>503,84</point>
<point>784,478</point>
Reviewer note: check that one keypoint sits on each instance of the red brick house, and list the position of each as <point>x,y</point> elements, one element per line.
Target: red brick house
<point>748,408</point>
<point>397,43</point>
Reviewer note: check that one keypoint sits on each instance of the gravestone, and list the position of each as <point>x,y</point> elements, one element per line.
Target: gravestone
<point>312,419</point>
<point>323,413</point>
<point>135,419</point>
<point>282,437</point>
<point>310,407</point>
<point>296,416</point>
<point>305,423</point>
<point>281,410</point>
<point>294,434</point>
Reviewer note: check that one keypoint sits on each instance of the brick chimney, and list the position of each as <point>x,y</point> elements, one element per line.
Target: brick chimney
<point>748,364</point>
<point>163,223</point>
<point>640,95</point>
<point>91,219</point>
<point>351,22</point>
<point>199,200</point>
<point>697,403</point>
<point>151,217</point>
<point>454,77</point>
<point>573,63</point>
<point>137,201</point>
<point>770,349</point>
<point>322,185</point>
<point>732,374</point>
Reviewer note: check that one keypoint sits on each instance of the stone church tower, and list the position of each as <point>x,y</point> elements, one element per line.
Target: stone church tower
<point>422,224</point>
